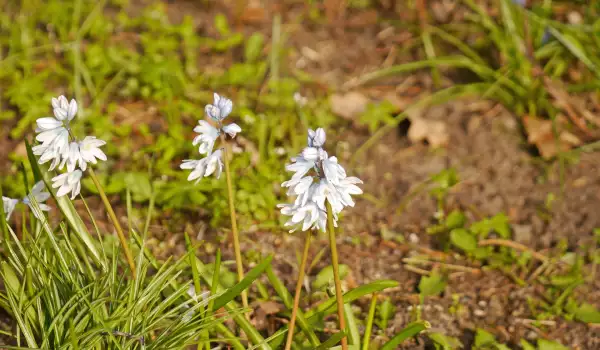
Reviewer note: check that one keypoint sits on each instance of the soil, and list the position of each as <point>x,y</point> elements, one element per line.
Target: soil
<point>498,173</point>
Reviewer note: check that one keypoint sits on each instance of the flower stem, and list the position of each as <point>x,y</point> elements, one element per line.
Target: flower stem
<point>113,218</point>
<point>234,228</point>
<point>290,336</point>
<point>336,274</point>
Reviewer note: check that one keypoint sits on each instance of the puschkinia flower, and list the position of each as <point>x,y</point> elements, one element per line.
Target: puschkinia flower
<point>61,148</point>
<point>68,182</point>
<point>206,139</point>
<point>208,134</point>
<point>9,205</point>
<point>38,193</point>
<point>220,109</point>
<point>327,182</point>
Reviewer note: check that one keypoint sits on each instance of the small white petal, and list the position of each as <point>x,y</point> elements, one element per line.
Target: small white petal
<point>232,129</point>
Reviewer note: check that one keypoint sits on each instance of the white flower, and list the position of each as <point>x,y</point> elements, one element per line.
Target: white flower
<point>316,138</point>
<point>89,150</point>
<point>68,182</point>
<point>334,172</point>
<point>204,167</point>
<point>232,129</point>
<point>55,142</point>
<point>49,152</point>
<point>53,133</point>
<point>39,193</point>
<point>300,167</point>
<point>63,110</point>
<point>307,214</point>
<point>333,186</point>
<point>220,109</point>
<point>71,157</point>
<point>347,187</point>
<point>9,205</point>
<point>206,139</point>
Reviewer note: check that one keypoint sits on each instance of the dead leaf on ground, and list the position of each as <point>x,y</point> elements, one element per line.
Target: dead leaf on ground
<point>540,133</point>
<point>435,132</point>
<point>349,105</point>
<point>262,312</point>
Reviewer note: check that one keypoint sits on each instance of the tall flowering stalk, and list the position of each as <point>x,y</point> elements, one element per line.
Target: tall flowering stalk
<point>213,163</point>
<point>322,191</point>
<point>61,148</point>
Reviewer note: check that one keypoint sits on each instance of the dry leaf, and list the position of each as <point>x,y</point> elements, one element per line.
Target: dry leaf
<point>540,133</point>
<point>433,131</point>
<point>263,311</point>
<point>349,105</point>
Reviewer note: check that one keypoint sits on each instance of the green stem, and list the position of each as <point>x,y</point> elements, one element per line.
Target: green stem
<point>113,218</point>
<point>369,326</point>
<point>290,336</point>
<point>234,228</point>
<point>336,274</point>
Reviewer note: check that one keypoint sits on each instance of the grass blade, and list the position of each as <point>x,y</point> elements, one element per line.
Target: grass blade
<point>408,332</point>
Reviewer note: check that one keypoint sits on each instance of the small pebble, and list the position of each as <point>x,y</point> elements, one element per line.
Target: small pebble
<point>479,313</point>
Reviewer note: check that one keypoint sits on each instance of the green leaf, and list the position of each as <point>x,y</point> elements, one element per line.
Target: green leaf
<point>484,338</point>
<point>221,24</point>
<point>544,344</point>
<point>325,276</point>
<point>329,343</point>
<point>254,47</point>
<point>432,285</point>
<point>463,239</point>
<point>526,345</point>
<point>587,313</point>
<point>455,219</point>
<point>139,185</point>
<point>444,341</point>
<point>329,306</point>
<point>236,290</point>
<point>408,332</point>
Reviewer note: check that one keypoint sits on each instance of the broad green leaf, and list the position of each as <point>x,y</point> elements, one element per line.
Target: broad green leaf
<point>325,276</point>
<point>587,313</point>
<point>526,345</point>
<point>544,344</point>
<point>455,219</point>
<point>484,338</point>
<point>463,239</point>
<point>254,47</point>
<point>445,342</point>
<point>432,285</point>
<point>408,332</point>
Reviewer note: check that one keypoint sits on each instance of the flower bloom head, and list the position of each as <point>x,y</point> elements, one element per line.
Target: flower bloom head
<point>207,137</point>
<point>220,108</point>
<point>68,182</point>
<point>328,182</point>
<point>204,167</point>
<point>38,194</point>
<point>9,204</point>
<point>58,147</point>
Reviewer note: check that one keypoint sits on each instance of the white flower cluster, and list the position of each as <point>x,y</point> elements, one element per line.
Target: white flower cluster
<point>38,192</point>
<point>57,146</point>
<point>207,137</point>
<point>329,183</point>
